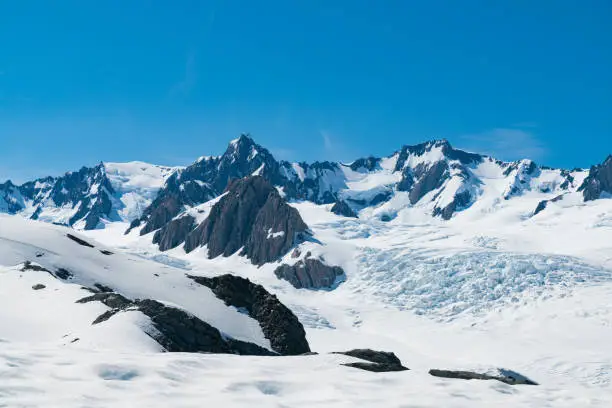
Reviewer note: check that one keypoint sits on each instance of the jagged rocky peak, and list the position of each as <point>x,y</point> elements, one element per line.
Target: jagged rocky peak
<point>599,181</point>
<point>206,179</point>
<point>435,150</point>
<point>243,158</point>
<point>253,216</point>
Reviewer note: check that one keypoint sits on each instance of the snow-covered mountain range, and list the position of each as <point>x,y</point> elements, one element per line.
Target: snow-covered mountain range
<point>87,198</point>
<point>433,176</point>
<point>462,265</point>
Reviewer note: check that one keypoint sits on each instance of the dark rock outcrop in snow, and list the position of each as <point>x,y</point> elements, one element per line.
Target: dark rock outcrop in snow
<point>63,274</point>
<point>29,266</point>
<point>310,273</point>
<point>378,361</point>
<point>38,286</point>
<point>179,331</point>
<point>542,204</point>
<point>175,329</point>
<point>461,200</point>
<point>79,241</point>
<point>278,323</point>
<point>505,376</point>
<point>598,181</point>
<point>342,208</point>
<point>253,216</point>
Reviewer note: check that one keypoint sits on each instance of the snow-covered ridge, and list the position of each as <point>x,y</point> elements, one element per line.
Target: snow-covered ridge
<point>90,197</point>
<point>432,177</point>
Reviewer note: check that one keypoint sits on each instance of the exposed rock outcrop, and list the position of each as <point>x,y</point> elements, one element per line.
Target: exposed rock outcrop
<point>175,329</point>
<point>278,323</point>
<point>460,201</point>
<point>79,241</point>
<point>503,375</point>
<point>598,181</point>
<point>252,216</point>
<point>365,164</point>
<point>542,204</point>
<point>378,361</point>
<point>310,273</point>
<point>429,179</point>
<point>174,233</point>
<point>342,208</point>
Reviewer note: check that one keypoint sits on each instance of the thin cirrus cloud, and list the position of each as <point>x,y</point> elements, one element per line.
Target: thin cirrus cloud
<point>183,88</point>
<point>506,143</point>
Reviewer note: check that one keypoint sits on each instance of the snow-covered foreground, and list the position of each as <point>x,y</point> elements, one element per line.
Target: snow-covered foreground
<point>40,377</point>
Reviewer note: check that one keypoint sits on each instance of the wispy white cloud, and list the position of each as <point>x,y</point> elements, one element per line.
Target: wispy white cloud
<point>188,82</point>
<point>506,143</point>
<point>328,144</point>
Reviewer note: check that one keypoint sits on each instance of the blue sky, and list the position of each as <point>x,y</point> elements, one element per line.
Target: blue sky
<point>166,82</point>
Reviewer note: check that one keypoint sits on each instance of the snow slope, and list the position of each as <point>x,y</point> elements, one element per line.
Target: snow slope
<point>136,184</point>
<point>134,277</point>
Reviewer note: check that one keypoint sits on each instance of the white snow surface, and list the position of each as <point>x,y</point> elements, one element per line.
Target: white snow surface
<point>137,184</point>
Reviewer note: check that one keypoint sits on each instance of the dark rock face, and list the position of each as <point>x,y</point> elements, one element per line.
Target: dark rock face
<point>598,181</point>
<point>163,209</point>
<point>253,216</point>
<point>365,164</point>
<point>378,361</point>
<point>63,274</point>
<point>183,332</point>
<point>310,273</point>
<point>380,198</point>
<point>342,208</point>
<point>88,190</point>
<point>175,329</point>
<point>542,204</point>
<point>429,178</point>
<point>461,200</point>
<point>112,300</point>
<point>278,323</point>
<point>174,233</point>
<point>38,286</point>
<point>29,266</point>
<point>407,180</point>
<point>10,197</point>
<point>540,207</point>
<point>505,376</point>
